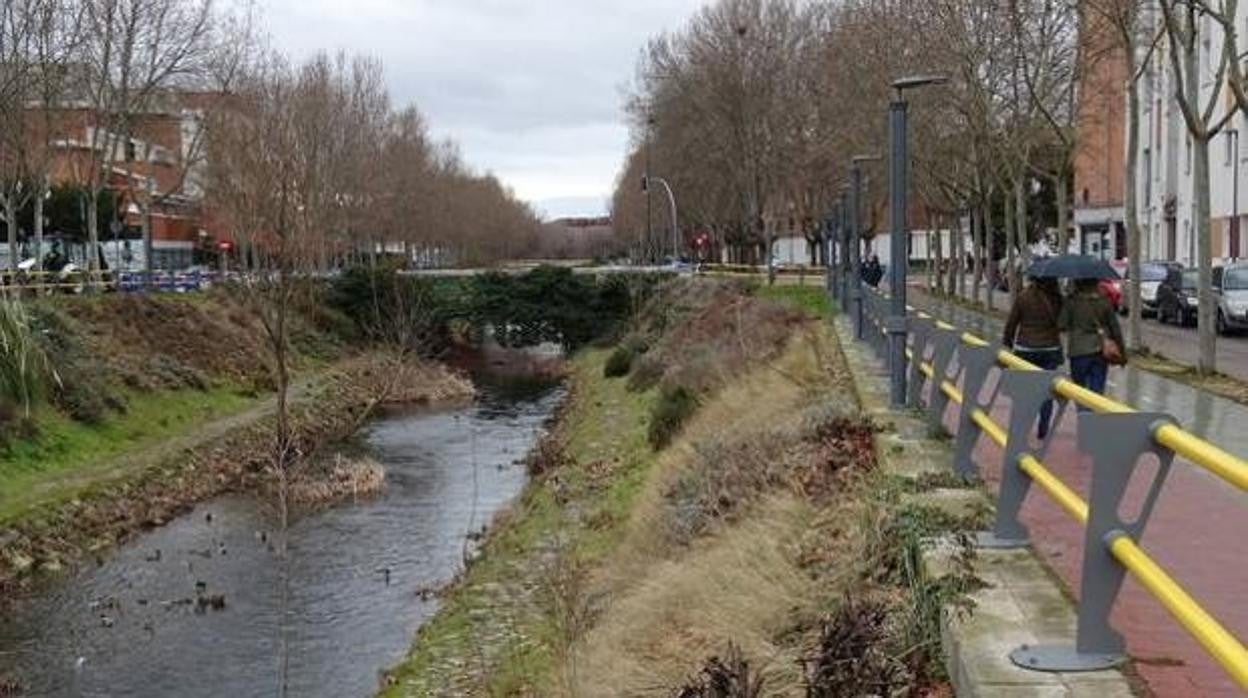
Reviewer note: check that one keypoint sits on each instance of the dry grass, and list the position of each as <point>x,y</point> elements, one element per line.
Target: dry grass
<point>674,602</point>
<point>743,586</point>
<point>342,478</point>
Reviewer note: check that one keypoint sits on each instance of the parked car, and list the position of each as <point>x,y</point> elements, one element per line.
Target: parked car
<point>1233,299</point>
<point>1111,289</point>
<point>1152,274</point>
<point>1177,300</point>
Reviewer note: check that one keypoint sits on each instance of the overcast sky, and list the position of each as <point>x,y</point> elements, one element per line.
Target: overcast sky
<point>530,89</point>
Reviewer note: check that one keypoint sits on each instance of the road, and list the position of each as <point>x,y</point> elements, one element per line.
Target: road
<point>1171,341</point>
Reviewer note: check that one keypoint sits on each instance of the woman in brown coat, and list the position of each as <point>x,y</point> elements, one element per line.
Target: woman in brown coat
<point>1031,332</point>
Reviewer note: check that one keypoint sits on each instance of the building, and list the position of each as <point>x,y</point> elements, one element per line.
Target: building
<point>156,167</point>
<point>1165,186</point>
<point>1099,214</point>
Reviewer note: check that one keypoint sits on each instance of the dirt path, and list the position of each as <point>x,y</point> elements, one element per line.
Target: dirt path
<point>149,455</point>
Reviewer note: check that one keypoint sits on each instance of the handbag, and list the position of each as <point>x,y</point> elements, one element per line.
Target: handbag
<point>1111,350</point>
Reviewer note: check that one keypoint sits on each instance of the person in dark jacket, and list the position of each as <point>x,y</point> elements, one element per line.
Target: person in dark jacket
<point>872,272</point>
<point>1032,333</point>
<point>1086,318</point>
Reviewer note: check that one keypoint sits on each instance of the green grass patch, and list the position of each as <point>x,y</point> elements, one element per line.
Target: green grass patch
<point>494,633</point>
<point>66,458</point>
<point>812,299</point>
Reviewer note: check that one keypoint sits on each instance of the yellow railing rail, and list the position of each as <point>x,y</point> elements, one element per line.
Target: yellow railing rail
<point>1220,643</point>
<point>1227,466</point>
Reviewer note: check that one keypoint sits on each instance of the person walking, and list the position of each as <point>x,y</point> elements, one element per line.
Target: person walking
<point>1031,332</point>
<point>1093,335</point>
<point>873,272</point>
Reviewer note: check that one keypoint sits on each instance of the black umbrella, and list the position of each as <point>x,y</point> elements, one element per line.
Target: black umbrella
<point>1072,266</point>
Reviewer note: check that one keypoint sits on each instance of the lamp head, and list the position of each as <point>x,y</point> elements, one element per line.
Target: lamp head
<point>913,81</point>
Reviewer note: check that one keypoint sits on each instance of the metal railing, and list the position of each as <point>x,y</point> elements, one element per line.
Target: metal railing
<point>947,365</point>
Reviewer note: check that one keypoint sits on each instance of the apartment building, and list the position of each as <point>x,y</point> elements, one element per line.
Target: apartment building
<point>1165,183</point>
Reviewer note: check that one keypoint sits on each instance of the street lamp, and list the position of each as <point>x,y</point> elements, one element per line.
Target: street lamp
<point>671,199</point>
<point>898,254</point>
<point>854,241</point>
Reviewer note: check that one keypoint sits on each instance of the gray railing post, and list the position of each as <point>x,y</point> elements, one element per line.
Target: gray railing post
<point>946,343</point>
<point>1027,391</point>
<point>1116,442</point>
<point>920,333</point>
<point>975,363</point>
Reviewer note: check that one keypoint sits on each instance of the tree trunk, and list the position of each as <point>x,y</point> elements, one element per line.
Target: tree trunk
<point>1063,211</point>
<point>10,214</point>
<point>39,194</point>
<point>93,239</point>
<point>1010,234</point>
<point>1020,238</point>
<point>10,219</point>
<point>1135,323</point>
<point>989,262</point>
<point>1207,328</point>
<point>977,253</point>
<point>957,270</point>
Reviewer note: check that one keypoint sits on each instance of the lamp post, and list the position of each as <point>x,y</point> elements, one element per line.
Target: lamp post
<point>1234,250</point>
<point>899,163</point>
<point>855,239</point>
<point>649,211</point>
<point>843,258</point>
<point>671,199</point>
<point>830,262</point>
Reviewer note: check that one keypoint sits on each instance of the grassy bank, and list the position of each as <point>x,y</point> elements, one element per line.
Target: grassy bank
<point>760,546</point>
<point>812,299</point>
<point>496,631</point>
<point>65,458</point>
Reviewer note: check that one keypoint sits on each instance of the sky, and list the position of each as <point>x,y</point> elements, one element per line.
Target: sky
<point>531,90</point>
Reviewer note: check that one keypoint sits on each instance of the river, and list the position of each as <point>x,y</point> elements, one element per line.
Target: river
<point>144,621</point>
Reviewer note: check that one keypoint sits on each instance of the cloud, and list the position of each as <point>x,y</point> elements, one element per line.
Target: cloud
<point>531,89</point>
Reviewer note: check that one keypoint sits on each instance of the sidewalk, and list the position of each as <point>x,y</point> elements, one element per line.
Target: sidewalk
<point>1196,532</point>
<point>1175,343</point>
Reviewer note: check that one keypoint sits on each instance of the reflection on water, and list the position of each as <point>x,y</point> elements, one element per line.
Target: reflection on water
<point>142,624</point>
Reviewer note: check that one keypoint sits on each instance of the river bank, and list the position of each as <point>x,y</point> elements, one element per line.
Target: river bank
<point>750,542</point>
<point>195,608</point>
<point>142,490</point>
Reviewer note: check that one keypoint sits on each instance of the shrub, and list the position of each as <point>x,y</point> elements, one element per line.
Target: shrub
<point>24,367</point>
<point>675,406</point>
<point>619,363</point>
<point>82,389</point>
<point>648,370</point>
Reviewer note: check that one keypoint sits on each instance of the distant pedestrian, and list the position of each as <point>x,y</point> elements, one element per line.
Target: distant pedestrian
<point>1093,335</point>
<point>1031,331</point>
<point>872,272</point>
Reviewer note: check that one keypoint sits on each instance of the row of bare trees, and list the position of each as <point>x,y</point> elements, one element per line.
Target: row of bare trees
<point>754,109</point>
<point>82,81</point>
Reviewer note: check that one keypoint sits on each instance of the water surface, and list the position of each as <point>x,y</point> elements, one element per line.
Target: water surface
<point>142,623</point>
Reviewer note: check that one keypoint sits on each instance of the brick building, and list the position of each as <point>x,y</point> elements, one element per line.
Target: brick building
<point>158,166</point>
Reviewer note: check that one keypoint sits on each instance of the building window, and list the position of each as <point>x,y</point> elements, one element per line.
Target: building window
<point>1085,195</point>
<point>132,151</point>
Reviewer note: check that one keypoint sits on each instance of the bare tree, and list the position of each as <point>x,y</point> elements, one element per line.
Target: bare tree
<point>134,54</point>
<point>1183,24</point>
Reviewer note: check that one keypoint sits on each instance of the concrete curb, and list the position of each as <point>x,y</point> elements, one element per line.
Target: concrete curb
<point>1021,603</point>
